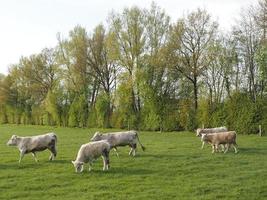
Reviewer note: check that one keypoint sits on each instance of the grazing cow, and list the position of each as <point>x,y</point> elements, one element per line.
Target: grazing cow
<point>116,139</point>
<point>225,138</point>
<point>201,131</point>
<point>32,144</point>
<point>90,152</point>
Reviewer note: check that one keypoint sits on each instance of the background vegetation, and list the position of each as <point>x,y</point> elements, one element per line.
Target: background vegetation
<point>142,71</point>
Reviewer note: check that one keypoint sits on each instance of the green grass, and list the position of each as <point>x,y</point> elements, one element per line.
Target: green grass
<point>172,167</point>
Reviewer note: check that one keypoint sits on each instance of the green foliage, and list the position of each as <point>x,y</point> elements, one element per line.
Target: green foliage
<point>204,114</point>
<point>187,115</point>
<point>125,115</point>
<point>150,116</point>
<point>102,108</point>
<point>92,118</point>
<point>261,59</point>
<point>78,112</point>
<point>240,114</point>
<point>51,108</point>
<point>219,116</point>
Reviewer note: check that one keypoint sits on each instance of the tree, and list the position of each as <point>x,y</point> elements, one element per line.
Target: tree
<point>247,35</point>
<point>128,29</point>
<point>156,80</point>
<point>190,40</point>
<point>80,85</point>
<point>104,67</point>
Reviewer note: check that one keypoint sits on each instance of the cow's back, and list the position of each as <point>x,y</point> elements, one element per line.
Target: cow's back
<point>224,137</point>
<point>122,138</point>
<point>92,150</point>
<point>40,142</point>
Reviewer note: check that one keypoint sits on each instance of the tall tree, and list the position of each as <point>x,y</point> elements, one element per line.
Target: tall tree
<point>248,36</point>
<point>128,29</point>
<point>81,87</point>
<point>104,67</point>
<point>191,38</point>
<point>157,83</point>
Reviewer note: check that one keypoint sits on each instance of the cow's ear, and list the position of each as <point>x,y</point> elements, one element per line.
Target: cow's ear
<point>73,162</point>
<point>14,136</point>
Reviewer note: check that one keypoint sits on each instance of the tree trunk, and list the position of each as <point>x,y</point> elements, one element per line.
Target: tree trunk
<point>195,93</point>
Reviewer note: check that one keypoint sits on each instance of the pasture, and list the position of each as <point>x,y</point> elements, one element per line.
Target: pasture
<point>172,167</point>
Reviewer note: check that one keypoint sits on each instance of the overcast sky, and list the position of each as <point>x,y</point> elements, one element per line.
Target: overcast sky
<point>27,26</point>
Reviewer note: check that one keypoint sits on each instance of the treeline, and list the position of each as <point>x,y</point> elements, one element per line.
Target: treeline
<point>141,71</point>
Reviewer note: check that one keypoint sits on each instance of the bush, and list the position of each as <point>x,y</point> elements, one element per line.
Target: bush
<point>102,108</point>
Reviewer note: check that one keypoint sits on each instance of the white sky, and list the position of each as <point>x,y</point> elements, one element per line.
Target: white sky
<point>27,26</point>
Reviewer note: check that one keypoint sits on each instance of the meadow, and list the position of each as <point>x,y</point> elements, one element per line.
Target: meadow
<point>172,167</point>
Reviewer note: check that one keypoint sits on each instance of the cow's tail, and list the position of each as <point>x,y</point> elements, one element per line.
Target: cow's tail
<point>143,148</point>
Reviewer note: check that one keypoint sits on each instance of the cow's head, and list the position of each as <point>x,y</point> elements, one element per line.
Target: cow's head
<point>204,137</point>
<point>13,141</point>
<point>97,136</point>
<point>78,166</point>
<point>198,131</point>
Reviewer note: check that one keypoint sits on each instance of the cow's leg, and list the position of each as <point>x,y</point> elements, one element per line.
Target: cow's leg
<point>223,147</point>
<point>116,151</point>
<point>105,157</point>
<point>235,147</point>
<point>53,150</point>
<point>104,163</point>
<point>90,166</point>
<point>217,148</point>
<point>213,148</point>
<point>134,149</point>
<point>34,156</point>
<point>227,148</point>
<point>203,143</point>
<point>22,152</point>
<point>131,151</point>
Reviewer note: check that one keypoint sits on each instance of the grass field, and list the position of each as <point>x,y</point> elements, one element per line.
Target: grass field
<point>172,167</point>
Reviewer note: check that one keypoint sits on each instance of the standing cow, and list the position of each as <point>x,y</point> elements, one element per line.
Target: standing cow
<point>33,144</point>
<point>201,131</point>
<point>90,152</point>
<point>222,138</point>
<point>123,138</point>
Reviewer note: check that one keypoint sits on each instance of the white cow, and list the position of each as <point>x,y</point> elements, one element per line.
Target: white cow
<point>201,131</point>
<point>123,138</point>
<point>90,152</point>
<point>33,144</point>
<point>216,139</point>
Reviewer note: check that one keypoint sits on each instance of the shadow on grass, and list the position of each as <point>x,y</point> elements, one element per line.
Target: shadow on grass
<point>16,165</point>
<point>160,156</point>
<point>33,165</point>
<point>119,171</point>
<point>62,161</point>
<point>252,150</point>
<point>131,171</point>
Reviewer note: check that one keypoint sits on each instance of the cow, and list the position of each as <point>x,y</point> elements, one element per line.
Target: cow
<point>201,131</point>
<point>225,138</point>
<point>91,151</point>
<point>123,138</point>
<point>33,144</point>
